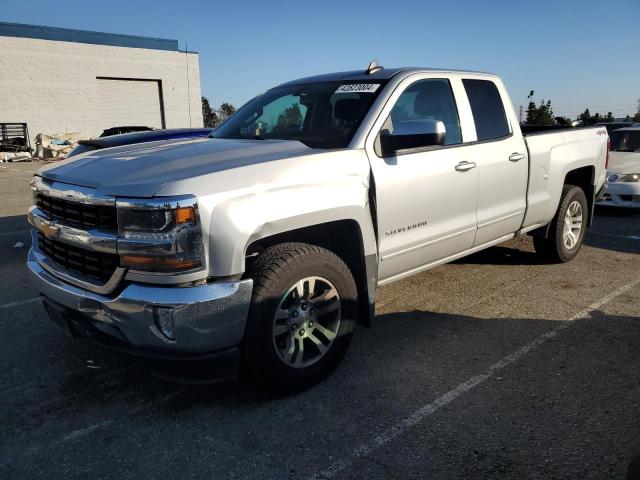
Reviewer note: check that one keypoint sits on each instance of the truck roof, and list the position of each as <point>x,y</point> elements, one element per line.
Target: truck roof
<point>382,74</point>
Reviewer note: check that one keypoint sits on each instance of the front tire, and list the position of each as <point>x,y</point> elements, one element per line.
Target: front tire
<point>567,229</point>
<point>302,316</point>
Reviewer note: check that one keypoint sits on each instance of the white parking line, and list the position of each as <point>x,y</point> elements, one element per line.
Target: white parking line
<point>14,233</point>
<point>425,411</point>
<point>84,431</point>
<point>21,302</point>
<point>613,235</point>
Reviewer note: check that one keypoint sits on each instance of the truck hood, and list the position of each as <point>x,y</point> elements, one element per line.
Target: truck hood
<point>141,170</point>
<point>624,162</point>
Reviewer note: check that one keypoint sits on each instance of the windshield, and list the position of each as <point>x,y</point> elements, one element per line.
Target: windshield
<point>320,115</point>
<point>628,141</point>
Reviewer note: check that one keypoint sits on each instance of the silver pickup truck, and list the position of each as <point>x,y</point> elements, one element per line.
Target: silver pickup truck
<point>261,247</point>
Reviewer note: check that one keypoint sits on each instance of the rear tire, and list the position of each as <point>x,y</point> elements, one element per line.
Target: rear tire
<point>302,315</point>
<point>567,229</point>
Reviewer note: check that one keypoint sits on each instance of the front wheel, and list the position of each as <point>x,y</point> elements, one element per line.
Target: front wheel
<point>302,315</point>
<point>567,229</point>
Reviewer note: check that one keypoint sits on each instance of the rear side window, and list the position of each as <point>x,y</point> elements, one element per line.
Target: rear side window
<point>487,109</point>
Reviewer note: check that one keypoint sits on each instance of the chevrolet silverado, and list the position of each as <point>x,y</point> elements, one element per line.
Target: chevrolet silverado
<point>261,247</point>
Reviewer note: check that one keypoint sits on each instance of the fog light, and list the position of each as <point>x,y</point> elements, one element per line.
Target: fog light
<point>164,321</point>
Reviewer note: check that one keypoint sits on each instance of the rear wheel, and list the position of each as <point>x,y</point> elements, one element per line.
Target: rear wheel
<point>302,315</point>
<point>567,229</point>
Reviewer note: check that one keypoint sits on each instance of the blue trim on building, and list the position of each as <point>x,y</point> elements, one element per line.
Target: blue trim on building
<point>83,36</point>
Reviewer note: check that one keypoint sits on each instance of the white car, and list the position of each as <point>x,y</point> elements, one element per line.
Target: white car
<point>623,172</point>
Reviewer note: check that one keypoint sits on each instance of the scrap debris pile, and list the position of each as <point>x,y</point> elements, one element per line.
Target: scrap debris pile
<point>15,144</point>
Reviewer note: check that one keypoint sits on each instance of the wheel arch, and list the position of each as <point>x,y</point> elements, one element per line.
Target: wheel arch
<point>343,237</point>
<point>584,177</point>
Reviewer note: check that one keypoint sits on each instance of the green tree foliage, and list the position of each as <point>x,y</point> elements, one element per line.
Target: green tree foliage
<point>226,110</point>
<point>540,115</point>
<point>586,118</point>
<point>212,118</point>
<point>291,117</point>
<point>209,116</point>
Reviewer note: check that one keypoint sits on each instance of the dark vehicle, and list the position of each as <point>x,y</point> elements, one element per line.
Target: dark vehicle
<point>627,140</point>
<point>126,129</point>
<point>138,137</point>
<point>615,125</point>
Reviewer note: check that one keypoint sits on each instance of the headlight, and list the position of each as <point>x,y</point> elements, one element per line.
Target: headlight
<point>629,177</point>
<point>160,235</point>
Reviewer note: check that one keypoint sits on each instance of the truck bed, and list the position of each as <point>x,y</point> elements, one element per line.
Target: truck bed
<point>528,130</point>
<point>552,153</point>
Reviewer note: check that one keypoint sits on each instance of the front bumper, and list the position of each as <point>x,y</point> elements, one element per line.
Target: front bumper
<point>626,194</point>
<point>206,318</point>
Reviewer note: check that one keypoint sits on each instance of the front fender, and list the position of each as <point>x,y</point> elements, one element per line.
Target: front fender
<point>237,222</point>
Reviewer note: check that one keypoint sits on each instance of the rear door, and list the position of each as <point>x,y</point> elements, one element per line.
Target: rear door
<point>501,156</point>
<point>425,200</point>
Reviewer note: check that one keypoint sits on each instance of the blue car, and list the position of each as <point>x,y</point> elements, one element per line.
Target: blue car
<point>138,137</point>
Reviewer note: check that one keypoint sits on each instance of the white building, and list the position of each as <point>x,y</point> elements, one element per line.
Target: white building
<point>60,80</point>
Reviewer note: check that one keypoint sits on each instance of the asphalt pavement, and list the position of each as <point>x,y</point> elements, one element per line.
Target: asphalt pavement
<point>494,366</point>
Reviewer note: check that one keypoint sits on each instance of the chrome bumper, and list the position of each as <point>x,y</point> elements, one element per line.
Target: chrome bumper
<point>206,318</point>
<point>621,195</point>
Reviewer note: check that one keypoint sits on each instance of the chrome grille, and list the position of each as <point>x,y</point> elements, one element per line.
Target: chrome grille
<point>82,215</point>
<point>88,263</point>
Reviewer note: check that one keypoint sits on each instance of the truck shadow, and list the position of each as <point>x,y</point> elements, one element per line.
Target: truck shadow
<point>501,255</point>
<point>406,360</point>
<point>411,344</point>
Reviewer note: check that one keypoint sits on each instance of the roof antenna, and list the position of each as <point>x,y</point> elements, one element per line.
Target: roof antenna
<point>374,67</point>
<point>186,55</point>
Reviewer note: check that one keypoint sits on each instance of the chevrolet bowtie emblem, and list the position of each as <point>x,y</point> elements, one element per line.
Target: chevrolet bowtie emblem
<point>49,230</point>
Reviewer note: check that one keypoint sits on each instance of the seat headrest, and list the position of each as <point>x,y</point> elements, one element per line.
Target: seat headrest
<point>346,109</point>
<point>431,97</point>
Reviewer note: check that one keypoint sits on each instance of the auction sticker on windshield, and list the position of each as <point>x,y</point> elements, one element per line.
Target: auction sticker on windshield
<point>358,88</point>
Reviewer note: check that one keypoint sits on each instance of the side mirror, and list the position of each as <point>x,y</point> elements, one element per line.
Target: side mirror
<point>412,134</point>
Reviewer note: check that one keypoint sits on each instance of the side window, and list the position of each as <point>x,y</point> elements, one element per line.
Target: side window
<point>428,99</point>
<point>487,109</point>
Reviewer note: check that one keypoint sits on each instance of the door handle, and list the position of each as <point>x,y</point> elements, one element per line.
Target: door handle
<point>465,166</point>
<point>516,157</point>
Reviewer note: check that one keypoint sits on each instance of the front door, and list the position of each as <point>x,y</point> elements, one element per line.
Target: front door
<point>426,199</point>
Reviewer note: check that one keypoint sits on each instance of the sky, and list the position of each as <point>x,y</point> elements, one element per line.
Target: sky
<point>578,54</point>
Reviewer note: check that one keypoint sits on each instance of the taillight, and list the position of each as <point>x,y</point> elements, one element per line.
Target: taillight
<point>606,162</point>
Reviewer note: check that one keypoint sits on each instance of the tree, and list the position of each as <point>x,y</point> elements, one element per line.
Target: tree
<point>291,117</point>
<point>585,117</point>
<point>225,111</point>
<point>209,116</point>
<point>212,118</point>
<point>532,114</point>
<point>540,115</point>
<point>609,118</point>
